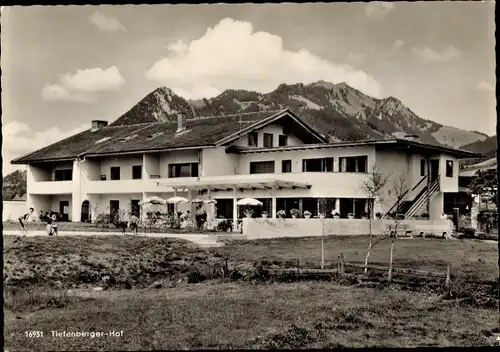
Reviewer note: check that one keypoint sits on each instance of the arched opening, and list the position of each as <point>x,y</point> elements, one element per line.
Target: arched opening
<point>85,216</point>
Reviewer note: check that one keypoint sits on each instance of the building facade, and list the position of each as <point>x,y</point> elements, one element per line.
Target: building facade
<point>271,156</point>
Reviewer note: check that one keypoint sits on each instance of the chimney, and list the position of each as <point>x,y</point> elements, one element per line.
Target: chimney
<point>98,124</point>
<point>180,121</point>
<point>412,137</point>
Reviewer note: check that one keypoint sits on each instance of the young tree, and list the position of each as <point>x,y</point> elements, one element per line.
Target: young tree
<point>372,187</point>
<point>399,188</point>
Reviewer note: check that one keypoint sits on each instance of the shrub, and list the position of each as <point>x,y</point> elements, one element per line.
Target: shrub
<point>294,212</point>
<point>102,219</point>
<point>469,232</point>
<point>223,226</point>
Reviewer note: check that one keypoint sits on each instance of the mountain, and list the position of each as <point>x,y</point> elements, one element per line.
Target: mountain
<point>338,111</point>
<point>487,147</point>
<point>14,186</point>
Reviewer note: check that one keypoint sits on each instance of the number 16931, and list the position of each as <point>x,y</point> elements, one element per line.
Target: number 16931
<point>33,333</point>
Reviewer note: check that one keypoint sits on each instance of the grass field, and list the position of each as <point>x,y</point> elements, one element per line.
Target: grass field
<point>88,227</point>
<point>216,313</point>
<point>205,316</point>
<point>468,258</point>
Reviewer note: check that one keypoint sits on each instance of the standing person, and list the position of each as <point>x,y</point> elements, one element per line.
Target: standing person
<point>134,223</point>
<point>25,218</point>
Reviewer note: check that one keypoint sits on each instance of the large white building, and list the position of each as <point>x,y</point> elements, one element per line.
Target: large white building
<point>273,156</point>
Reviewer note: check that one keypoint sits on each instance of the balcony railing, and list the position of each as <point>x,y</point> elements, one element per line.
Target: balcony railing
<point>50,187</point>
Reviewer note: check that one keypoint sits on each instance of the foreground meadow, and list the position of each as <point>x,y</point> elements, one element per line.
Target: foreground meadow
<point>169,294</point>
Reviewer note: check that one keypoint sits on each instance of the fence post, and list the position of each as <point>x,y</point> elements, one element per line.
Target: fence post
<point>342,269</point>
<point>448,275</point>
<point>297,268</point>
<point>322,243</point>
<point>339,270</point>
<point>226,271</point>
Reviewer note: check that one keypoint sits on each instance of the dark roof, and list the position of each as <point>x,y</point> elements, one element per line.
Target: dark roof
<point>391,143</point>
<point>198,132</point>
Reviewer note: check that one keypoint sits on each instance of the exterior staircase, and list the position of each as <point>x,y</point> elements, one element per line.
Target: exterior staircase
<point>423,198</point>
<point>412,207</point>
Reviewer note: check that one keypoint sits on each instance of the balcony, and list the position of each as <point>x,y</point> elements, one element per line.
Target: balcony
<point>340,184</point>
<point>51,187</point>
<point>116,186</point>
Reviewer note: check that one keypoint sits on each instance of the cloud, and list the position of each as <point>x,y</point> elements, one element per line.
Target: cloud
<point>232,55</point>
<point>485,86</point>
<point>83,84</point>
<point>20,139</point>
<point>449,54</point>
<point>356,59</point>
<point>106,23</point>
<point>378,10</point>
<point>398,44</point>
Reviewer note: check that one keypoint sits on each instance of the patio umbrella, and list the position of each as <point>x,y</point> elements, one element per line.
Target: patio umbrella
<point>153,200</point>
<point>201,199</point>
<point>175,200</point>
<point>249,201</point>
<point>198,199</point>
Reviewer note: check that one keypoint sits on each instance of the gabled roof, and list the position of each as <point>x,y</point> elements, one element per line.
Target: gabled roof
<point>199,132</point>
<point>470,170</point>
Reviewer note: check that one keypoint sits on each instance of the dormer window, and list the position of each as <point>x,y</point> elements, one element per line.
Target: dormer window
<point>253,139</point>
<point>103,140</point>
<point>156,134</point>
<point>127,138</point>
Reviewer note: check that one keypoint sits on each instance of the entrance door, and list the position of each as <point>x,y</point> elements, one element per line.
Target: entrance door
<point>225,208</point>
<point>434,169</point>
<point>63,209</point>
<point>135,208</point>
<point>85,211</point>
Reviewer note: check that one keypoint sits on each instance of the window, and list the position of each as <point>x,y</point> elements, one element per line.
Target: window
<point>282,140</point>
<point>262,167</point>
<point>114,206</point>
<point>115,173</point>
<point>317,165</point>
<point>422,167</point>
<point>449,168</point>
<point>136,172</point>
<point>353,164</point>
<point>253,139</point>
<point>63,175</point>
<point>268,140</point>
<point>183,170</point>
<point>286,166</point>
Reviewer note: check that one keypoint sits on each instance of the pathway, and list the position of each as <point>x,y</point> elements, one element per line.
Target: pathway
<point>201,240</point>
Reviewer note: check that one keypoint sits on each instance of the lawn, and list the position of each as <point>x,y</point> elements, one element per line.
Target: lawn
<point>199,306</point>
<point>90,227</point>
<point>469,259</point>
<point>239,315</point>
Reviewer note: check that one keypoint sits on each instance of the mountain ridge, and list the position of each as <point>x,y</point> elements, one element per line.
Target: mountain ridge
<point>336,110</point>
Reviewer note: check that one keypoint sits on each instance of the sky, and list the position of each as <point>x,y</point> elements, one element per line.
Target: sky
<point>64,66</point>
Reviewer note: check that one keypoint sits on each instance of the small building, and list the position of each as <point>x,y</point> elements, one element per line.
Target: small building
<point>273,156</point>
